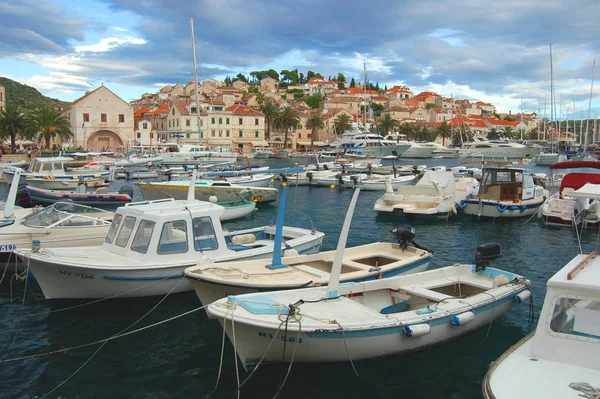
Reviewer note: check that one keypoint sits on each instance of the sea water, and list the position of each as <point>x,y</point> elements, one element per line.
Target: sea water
<point>180,358</point>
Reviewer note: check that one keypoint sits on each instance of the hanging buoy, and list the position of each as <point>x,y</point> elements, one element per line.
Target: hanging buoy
<point>522,296</point>
<point>332,186</point>
<point>417,330</point>
<point>463,318</point>
<point>283,184</point>
<point>272,181</point>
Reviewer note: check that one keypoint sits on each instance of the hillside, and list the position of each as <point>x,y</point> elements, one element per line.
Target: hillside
<point>17,92</point>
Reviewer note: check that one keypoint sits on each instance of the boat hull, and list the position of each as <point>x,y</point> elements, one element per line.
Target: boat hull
<point>78,281</point>
<point>331,345</point>
<point>152,192</point>
<point>499,209</point>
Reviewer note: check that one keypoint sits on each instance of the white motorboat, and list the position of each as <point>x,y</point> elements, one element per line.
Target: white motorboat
<point>506,193</point>
<point>438,194</point>
<point>549,158</point>
<point>148,246</point>
<point>251,180</point>
<point>503,149</point>
<point>132,173</point>
<point>263,153</point>
<point>418,150</point>
<point>190,154</point>
<point>441,151</point>
<point>48,172</point>
<point>378,182</point>
<point>361,263</point>
<point>560,358</point>
<point>204,189</point>
<point>566,208</point>
<point>138,162</point>
<point>359,321</point>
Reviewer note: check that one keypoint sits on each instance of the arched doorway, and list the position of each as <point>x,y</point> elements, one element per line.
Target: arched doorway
<point>104,139</point>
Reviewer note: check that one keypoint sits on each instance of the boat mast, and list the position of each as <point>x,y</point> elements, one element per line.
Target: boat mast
<point>195,79</point>
<point>451,118</point>
<point>552,102</point>
<point>365,97</point>
<point>587,126</point>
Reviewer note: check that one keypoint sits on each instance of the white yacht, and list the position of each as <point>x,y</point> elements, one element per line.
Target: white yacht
<point>186,154</point>
<point>441,151</point>
<point>498,149</point>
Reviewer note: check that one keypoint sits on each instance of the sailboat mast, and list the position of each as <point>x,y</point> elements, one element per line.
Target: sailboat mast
<point>587,126</point>
<point>195,78</point>
<point>365,96</point>
<point>552,102</point>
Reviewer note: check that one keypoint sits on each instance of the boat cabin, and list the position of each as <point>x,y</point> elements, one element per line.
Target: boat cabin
<point>49,166</point>
<point>504,184</point>
<point>569,326</point>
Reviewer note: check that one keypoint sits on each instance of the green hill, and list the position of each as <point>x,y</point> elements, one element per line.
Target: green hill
<point>23,94</point>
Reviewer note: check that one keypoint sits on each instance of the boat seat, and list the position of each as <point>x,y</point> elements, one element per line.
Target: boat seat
<point>425,293</point>
<point>312,270</point>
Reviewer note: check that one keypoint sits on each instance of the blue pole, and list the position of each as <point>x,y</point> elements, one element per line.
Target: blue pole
<point>279,232</point>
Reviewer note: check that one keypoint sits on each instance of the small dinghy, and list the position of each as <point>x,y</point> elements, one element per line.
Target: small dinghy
<point>38,196</point>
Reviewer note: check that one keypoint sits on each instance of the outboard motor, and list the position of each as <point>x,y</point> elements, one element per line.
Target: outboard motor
<point>354,179</point>
<point>340,178</point>
<point>127,190</point>
<point>284,178</point>
<point>309,175</point>
<point>484,253</point>
<point>405,235</point>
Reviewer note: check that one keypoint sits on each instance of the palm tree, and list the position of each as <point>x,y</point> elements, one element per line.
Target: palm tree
<point>314,123</point>
<point>270,109</point>
<point>388,124</point>
<point>342,122</point>
<point>493,134</point>
<point>12,122</point>
<point>48,123</point>
<point>508,132</point>
<point>287,120</point>
<point>444,131</point>
<point>260,98</point>
<point>407,130</point>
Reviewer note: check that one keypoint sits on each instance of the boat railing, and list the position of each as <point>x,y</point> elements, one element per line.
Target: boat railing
<point>157,201</point>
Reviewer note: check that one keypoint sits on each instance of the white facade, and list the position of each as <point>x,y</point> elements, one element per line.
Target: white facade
<point>143,133</point>
<point>101,119</point>
<point>2,97</point>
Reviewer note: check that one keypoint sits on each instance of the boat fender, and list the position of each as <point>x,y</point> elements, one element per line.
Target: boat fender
<point>463,318</point>
<point>290,252</point>
<point>522,296</point>
<point>212,199</point>
<point>243,239</point>
<point>417,330</point>
<point>500,280</point>
<point>36,246</point>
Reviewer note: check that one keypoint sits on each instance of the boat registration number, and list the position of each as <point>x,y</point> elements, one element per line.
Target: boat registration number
<point>256,198</point>
<point>8,247</point>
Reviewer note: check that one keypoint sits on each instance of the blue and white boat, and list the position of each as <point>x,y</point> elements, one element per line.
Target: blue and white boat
<point>365,320</point>
<point>506,193</point>
<point>148,246</point>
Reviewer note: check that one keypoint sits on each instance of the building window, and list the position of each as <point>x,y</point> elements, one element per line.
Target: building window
<point>213,133</point>
<point>177,122</point>
<point>187,136</point>
<point>220,121</point>
<point>103,118</point>
<point>173,112</point>
<point>193,110</point>
<point>240,121</point>
<point>220,133</point>
<point>227,133</point>
<point>256,133</point>
<point>86,117</point>
<point>139,135</point>
<point>256,122</point>
<point>121,118</point>
<point>212,120</point>
<point>145,125</point>
<point>187,122</point>
<point>241,134</point>
<point>227,121</point>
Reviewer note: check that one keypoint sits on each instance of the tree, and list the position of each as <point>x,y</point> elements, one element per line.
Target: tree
<point>443,131</point>
<point>260,98</point>
<point>493,134</point>
<point>311,74</point>
<point>428,106</point>
<point>270,109</point>
<point>352,83</point>
<point>228,81</point>
<point>12,122</point>
<point>313,101</point>
<point>241,77</point>
<point>314,123</point>
<point>288,119</point>
<point>47,123</point>
<point>342,122</point>
<point>388,124</point>
<point>509,132</point>
<point>407,130</point>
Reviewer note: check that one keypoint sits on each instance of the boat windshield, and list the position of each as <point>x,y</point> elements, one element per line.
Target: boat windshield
<point>65,214</point>
<point>576,318</point>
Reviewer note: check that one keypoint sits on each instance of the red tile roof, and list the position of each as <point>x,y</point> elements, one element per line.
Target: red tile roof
<point>243,110</point>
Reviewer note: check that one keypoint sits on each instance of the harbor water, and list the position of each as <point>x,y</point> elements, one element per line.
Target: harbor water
<point>180,358</point>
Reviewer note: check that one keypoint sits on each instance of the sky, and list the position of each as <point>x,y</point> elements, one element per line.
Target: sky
<point>491,51</point>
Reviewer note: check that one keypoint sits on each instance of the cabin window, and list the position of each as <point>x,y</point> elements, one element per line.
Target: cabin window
<point>141,241</point>
<point>204,234</point>
<point>576,317</point>
<point>114,226</point>
<point>173,238</point>
<point>125,232</point>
